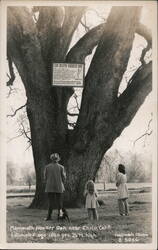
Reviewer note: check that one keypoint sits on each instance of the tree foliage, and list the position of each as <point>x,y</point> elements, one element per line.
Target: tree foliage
<point>28,175</point>
<point>138,168</point>
<point>11,173</point>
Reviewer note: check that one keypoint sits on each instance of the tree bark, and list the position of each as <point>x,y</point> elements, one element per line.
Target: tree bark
<point>47,132</point>
<point>95,129</point>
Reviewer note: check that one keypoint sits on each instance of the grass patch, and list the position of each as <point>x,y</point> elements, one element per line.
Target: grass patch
<point>28,226</point>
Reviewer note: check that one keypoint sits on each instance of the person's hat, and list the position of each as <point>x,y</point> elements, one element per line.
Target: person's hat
<point>55,157</point>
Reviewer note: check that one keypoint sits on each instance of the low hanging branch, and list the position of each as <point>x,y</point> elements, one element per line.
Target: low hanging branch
<point>21,107</point>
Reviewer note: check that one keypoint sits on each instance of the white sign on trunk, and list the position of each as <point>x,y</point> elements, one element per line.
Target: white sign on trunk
<point>68,74</point>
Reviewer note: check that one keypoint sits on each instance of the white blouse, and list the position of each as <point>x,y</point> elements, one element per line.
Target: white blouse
<point>122,189</point>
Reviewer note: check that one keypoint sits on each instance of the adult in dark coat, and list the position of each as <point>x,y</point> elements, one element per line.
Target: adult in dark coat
<point>54,176</point>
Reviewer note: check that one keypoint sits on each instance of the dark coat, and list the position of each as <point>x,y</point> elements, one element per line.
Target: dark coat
<point>54,176</point>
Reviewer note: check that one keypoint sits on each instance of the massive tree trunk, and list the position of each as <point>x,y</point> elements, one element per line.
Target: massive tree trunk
<point>103,115</point>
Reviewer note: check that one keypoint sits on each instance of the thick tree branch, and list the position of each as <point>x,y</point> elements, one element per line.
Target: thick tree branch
<point>56,29</point>
<point>133,97</point>
<point>50,18</point>
<point>104,76</point>
<point>85,45</point>
<point>49,26</point>
<point>72,18</point>
<point>143,31</point>
<point>23,46</point>
<point>144,53</point>
<point>55,34</point>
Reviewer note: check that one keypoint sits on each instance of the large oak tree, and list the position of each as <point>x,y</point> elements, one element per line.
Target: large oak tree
<point>34,44</point>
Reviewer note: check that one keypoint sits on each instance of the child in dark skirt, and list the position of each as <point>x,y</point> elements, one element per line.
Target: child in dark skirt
<point>91,200</point>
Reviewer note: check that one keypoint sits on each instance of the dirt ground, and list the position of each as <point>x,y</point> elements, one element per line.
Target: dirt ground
<point>28,225</point>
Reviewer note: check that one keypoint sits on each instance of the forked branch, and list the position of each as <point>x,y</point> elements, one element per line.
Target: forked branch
<point>87,43</point>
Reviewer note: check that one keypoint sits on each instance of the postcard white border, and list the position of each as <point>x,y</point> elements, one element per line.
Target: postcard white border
<point>3,150</point>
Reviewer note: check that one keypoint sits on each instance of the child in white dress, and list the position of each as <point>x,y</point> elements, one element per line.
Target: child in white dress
<point>91,200</point>
<point>122,190</point>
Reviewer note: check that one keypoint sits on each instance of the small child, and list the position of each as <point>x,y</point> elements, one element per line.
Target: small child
<point>91,200</point>
<point>122,190</point>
